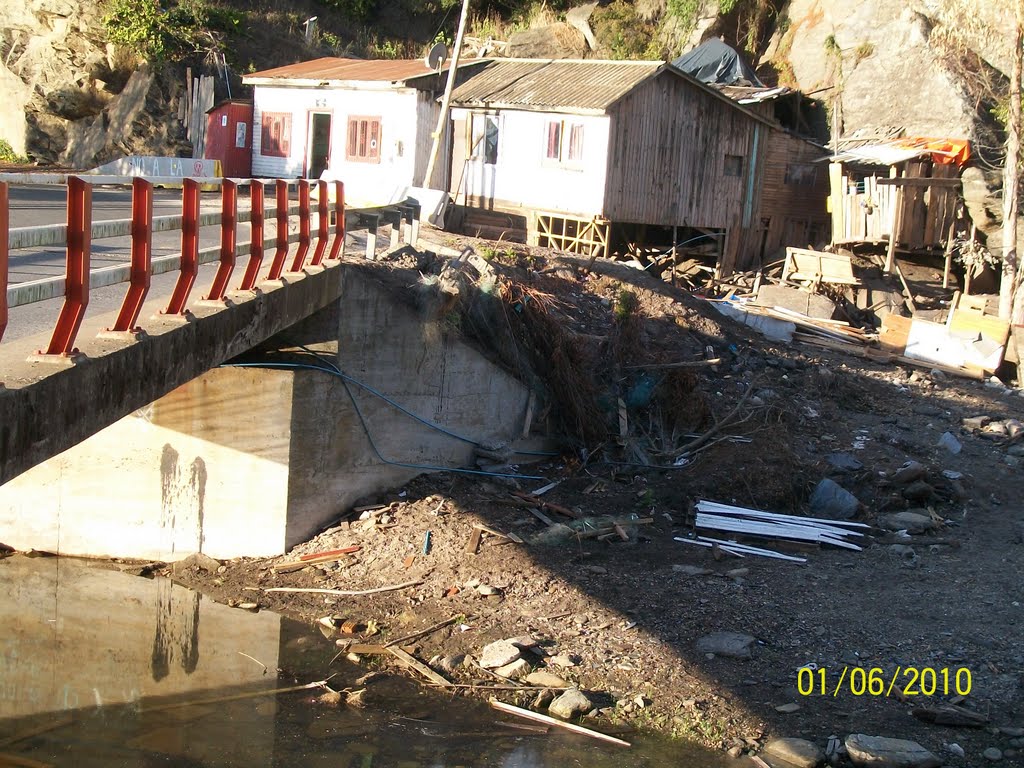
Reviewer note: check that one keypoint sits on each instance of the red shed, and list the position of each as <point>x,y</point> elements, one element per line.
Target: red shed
<point>229,137</point>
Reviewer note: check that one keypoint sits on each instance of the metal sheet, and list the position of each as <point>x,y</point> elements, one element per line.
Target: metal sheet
<point>553,85</point>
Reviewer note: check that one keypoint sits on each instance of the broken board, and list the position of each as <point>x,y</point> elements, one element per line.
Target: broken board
<point>818,267</point>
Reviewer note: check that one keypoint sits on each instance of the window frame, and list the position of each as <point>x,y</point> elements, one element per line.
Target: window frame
<point>359,146</point>
<point>739,161</point>
<point>281,144</point>
<point>563,143</point>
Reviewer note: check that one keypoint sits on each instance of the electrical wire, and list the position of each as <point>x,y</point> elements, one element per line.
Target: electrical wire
<point>333,370</point>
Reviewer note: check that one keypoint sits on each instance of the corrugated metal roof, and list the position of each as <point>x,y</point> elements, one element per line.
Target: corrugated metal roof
<point>334,69</point>
<point>589,85</point>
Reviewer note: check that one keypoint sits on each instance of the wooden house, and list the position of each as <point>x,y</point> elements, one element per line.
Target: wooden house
<point>369,123</point>
<point>587,155</point>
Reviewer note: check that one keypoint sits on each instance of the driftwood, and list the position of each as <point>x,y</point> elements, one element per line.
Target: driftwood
<point>342,592</point>
<point>547,720</point>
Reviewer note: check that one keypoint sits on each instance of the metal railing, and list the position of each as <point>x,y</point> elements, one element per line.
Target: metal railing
<point>77,234</point>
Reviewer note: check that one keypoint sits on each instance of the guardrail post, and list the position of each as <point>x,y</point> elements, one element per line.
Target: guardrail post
<point>76,286</point>
<point>406,222</point>
<point>394,217</point>
<point>189,248</point>
<point>414,225</point>
<point>322,221</point>
<point>372,222</point>
<point>277,266</point>
<point>300,254</point>
<point>339,221</point>
<point>142,256</point>
<point>228,238</point>
<point>5,222</point>
<point>252,269</point>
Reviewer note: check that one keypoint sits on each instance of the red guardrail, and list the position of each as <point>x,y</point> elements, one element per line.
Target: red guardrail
<point>79,229</point>
<point>4,227</point>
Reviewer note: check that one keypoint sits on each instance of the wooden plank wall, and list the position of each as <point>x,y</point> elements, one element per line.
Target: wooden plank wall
<point>796,214</point>
<point>928,211</point>
<point>666,157</point>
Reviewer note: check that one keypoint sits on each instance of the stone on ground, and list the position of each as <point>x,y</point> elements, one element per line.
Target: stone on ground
<point>517,670</point>
<point>498,654</point>
<point>570,704</point>
<point>732,644</point>
<point>881,752</point>
<point>545,679</point>
<point>795,752</point>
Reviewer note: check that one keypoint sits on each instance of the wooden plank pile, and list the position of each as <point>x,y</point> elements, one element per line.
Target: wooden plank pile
<point>734,521</point>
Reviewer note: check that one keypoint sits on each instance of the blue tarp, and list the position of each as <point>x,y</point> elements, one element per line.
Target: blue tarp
<point>716,62</point>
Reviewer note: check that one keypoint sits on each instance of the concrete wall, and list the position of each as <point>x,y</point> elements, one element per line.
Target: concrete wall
<point>77,637</point>
<point>250,462</point>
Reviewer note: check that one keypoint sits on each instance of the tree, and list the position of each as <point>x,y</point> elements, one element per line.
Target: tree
<point>1009,308</point>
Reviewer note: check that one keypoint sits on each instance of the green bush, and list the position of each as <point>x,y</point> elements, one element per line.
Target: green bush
<point>621,32</point>
<point>160,31</point>
<point>8,155</point>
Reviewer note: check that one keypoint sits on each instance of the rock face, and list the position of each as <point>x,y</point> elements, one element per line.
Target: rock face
<point>70,97</point>
<point>880,752</point>
<point>876,48</point>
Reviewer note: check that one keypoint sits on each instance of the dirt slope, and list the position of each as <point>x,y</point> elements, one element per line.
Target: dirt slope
<point>628,614</point>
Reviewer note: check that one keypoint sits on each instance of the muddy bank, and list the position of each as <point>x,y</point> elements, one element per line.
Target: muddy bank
<point>625,614</point>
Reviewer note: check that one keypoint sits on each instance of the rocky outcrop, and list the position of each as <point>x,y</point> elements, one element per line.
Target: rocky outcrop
<point>70,97</point>
<point>880,62</point>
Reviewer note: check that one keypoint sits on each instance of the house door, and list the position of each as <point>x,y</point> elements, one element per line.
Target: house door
<point>483,158</point>
<point>318,147</point>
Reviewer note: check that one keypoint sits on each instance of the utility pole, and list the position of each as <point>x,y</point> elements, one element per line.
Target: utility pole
<point>442,119</point>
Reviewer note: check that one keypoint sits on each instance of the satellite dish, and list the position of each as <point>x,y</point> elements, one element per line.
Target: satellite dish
<point>436,57</point>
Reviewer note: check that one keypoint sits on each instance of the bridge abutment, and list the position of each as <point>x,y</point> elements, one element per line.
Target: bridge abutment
<point>249,461</point>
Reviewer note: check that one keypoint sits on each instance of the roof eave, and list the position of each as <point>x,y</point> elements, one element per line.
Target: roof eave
<point>356,85</point>
<point>561,110</point>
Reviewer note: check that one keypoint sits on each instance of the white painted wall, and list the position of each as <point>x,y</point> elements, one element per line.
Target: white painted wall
<point>364,182</point>
<point>524,176</point>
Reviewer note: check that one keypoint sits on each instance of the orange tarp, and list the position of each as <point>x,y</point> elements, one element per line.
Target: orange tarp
<point>945,151</point>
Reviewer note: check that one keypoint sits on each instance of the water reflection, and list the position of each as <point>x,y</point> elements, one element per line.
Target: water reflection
<point>98,668</point>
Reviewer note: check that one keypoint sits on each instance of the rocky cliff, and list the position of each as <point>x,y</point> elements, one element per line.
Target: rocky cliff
<point>70,96</point>
<point>932,67</point>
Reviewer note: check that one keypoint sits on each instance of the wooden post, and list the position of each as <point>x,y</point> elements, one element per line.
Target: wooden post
<point>949,255</point>
<point>894,236</point>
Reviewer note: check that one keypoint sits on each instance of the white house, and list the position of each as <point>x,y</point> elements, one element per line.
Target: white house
<point>588,155</point>
<point>368,123</point>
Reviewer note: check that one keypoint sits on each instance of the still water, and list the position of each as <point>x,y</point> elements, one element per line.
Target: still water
<point>99,668</point>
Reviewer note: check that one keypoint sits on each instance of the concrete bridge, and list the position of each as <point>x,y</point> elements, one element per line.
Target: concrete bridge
<point>135,442</point>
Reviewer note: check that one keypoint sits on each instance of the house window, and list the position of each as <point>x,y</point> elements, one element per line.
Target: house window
<point>564,142</point>
<point>363,139</point>
<point>734,165</point>
<point>276,134</point>
<point>485,138</point>
<point>801,174</point>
